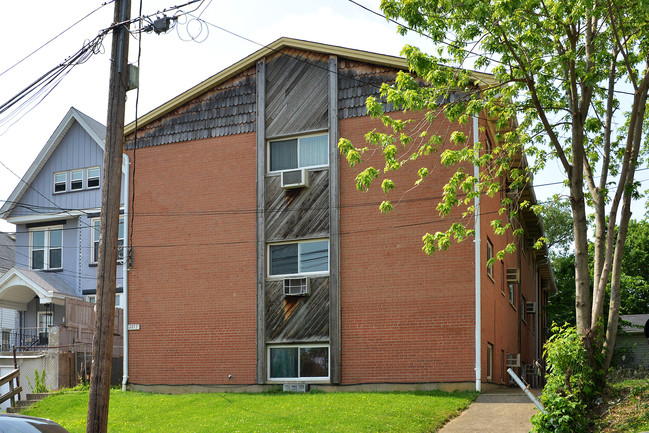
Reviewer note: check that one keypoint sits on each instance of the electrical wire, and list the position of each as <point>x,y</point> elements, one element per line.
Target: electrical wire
<point>54,38</point>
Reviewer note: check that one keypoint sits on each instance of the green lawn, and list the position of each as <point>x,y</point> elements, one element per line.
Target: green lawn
<point>276,412</point>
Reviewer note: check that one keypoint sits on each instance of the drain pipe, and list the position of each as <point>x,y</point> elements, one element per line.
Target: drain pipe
<point>126,168</point>
<point>526,389</point>
<point>478,319</point>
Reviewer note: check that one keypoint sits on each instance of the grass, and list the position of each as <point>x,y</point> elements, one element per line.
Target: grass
<point>130,412</point>
<point>628,407</point>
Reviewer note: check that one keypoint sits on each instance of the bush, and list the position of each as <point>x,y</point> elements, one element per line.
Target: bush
<point>39,385</point>
<point>574,379</point>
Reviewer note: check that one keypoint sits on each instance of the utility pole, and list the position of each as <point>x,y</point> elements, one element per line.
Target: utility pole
<point>102,342</point>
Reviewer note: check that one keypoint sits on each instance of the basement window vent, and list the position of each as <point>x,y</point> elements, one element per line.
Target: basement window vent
<point>530,308</point>
<point>295,387</point>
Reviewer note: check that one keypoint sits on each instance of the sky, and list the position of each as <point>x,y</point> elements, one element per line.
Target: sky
<point>170,63</point>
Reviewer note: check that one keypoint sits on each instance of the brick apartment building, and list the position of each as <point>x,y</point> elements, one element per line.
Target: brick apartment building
<point>255,261</point>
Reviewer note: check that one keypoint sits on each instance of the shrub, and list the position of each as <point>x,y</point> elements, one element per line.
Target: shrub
<point>574,381</point>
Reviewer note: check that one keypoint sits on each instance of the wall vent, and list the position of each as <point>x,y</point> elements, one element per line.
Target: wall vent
<point>513,360</point>
<point>512,275</point>
<point>295,387</point>
<point>530,308</point>
<point>291,179</point>
<point>296,286</point>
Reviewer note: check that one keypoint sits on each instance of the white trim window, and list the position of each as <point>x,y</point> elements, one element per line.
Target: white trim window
<point>92,177</point>
<point>94,247</point>
<point>300,152</point>
<point>298,362</point>
<point>76,180</point>
<point>298,258</point>
<point>61,181</point>
<point>46,247</point>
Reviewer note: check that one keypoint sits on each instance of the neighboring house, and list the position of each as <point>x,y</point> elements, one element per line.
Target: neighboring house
<point>56,209</point>
<point>257,262</point>
<point>631,345</point>
<point>8,317</point>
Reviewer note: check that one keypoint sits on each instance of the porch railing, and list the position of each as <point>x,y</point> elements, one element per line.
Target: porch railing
<point>25,338</point>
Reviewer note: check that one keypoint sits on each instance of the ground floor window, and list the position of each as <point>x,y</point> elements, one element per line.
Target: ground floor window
<point>298,362</point>
<point>490,361</point>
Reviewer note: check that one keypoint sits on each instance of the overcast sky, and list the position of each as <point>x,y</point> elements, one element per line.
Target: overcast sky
<point>170,63</point>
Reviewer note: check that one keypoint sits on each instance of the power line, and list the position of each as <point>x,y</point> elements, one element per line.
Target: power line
<point>454,46</point>
<point>54,38</point>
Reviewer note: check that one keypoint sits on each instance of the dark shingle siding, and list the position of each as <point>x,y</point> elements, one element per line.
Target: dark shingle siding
<point>228,109</point>
<point>356,82</point>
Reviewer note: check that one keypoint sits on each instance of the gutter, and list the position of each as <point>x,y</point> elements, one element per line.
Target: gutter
<point>126,166</point>
<point>478,306</point>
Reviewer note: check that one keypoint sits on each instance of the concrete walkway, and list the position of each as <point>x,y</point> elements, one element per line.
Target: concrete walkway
<point>502,411</point>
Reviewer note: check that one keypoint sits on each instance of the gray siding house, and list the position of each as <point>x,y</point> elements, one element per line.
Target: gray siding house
<point>631,346</point>
<point>56,209</point>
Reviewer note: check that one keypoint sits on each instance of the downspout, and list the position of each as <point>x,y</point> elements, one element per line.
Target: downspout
<point>126,166</point>
<point>478,319</point>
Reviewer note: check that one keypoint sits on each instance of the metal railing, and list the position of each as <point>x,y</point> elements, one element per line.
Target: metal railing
<point>25,338</point>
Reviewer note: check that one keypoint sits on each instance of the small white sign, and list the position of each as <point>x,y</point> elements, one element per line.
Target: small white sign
<point>133,327</point>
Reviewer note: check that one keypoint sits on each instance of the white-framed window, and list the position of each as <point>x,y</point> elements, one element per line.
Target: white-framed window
<point>298,258</point>
<point>94,254</point>
<point>92,177</point>
<point>61,181</point>
<point>298,362</point>
<point>91,298</point>
<point>512,293</point>
<point>46,247</point>
<point>76,180</point>
<point>299,152</point>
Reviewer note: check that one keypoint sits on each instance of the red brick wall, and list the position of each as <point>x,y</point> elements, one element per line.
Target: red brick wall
<point>192,288</point>
<point>406,316</point>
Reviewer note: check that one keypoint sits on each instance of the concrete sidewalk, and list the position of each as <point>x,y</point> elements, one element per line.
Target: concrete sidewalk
<point>503,411</point>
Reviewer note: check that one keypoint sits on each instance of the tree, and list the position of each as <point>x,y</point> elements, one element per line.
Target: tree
<point>570,83</point>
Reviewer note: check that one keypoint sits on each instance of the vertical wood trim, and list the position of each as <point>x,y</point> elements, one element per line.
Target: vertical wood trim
<point>334,224</point>
<point>261,240</point>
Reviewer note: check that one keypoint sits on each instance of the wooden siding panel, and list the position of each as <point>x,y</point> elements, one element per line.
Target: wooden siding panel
<point>297,91</point>
<point>297,318</point>
<point>298,213</point>
<point>228,109</point>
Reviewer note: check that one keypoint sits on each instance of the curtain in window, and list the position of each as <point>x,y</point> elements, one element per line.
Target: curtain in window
<point>283,362</point>
<point>314,151</point>
<point>314,256</point>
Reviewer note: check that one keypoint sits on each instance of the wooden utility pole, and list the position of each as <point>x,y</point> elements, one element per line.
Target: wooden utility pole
<point>102,342</point>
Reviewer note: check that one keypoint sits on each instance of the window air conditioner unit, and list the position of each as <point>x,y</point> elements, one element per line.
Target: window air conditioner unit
<point>291,179</point>
<point>512,275</point>
<point>295,387</point>
<point>296,286</point>
<point>513,360</point>
<point>531,308</point>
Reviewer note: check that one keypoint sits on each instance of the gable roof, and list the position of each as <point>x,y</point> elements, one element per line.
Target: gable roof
<point>274,47</point>
<point>95,130</point>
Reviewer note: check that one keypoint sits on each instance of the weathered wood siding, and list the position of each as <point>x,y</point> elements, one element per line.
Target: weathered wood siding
<point>296,93</point>
<point>298,213</point>
<point>228,109</point>
<point>296,102</point>
<point>299,318</point>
